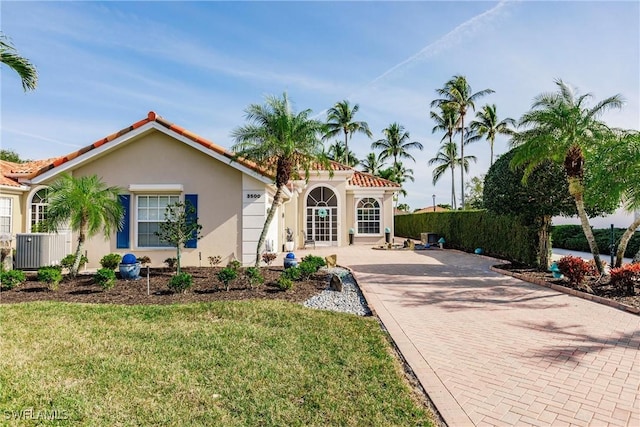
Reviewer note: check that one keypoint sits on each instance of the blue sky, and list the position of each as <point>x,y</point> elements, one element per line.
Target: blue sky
<point>104,65</point>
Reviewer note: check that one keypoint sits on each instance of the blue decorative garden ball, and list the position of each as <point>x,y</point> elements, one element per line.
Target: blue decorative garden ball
<point>129,259</point>
<point>478,251</point>
<point>290,260</point>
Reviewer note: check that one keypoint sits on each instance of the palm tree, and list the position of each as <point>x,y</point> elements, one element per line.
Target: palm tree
<point>403,207</point>
<point>275,135</point>
<point>486,124</point>
<point>337,152</point>
<point>9,56</point>
<point>88,205</point>
<point>615,168</point>
<point>561,128</point>
<point>395,144</point>
<point>372,164</point>
<point>446,121</point>
<point>447,158</point>
<point>401,174</point>
<point>340,119</point>
<point>458,94</point>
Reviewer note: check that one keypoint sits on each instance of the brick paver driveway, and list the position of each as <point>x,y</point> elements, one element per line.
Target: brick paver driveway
<point>493,350</point>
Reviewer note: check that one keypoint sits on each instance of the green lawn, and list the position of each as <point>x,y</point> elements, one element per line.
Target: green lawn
<point>258,363</point>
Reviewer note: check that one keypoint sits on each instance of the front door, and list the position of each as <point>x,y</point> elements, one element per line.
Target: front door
<point>322,216</point>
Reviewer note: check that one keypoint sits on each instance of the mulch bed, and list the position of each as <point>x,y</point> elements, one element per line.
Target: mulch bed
<point>206,288</point>
<point>600,286</point>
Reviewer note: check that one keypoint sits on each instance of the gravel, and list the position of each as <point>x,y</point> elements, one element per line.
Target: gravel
<point>350,300</point>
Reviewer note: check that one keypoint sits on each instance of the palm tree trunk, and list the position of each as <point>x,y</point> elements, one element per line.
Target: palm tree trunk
<point>576,190</point>
<point>544,246</point>
<point>81,238</point>
<point>624,241</point>
<point>491,144</point>
<point>346,148</point>
<point>462,161</point>
<point>453,187</point>
<point>270,214</point>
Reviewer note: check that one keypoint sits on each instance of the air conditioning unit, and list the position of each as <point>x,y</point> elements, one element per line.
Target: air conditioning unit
<point>429,238</point>
<point>35,250</point>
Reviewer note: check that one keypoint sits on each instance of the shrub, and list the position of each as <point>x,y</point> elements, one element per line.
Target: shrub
<point>317,261</point>
<point>500,235</point>
<point>626,276</point>
<point>575,269</point>
<point>268,257</point>
<point>227,275</point>
<point>12,278</point>
<point>171,262</point>
<point>143,260</point>
<point>234,264</point>
<point>67,262</point>
<point>105,277</point>
<point>111,261</point>
<point>284,283</point>
<point>214,260</point>
<point>292,273</point>
<point>51,276</point>
<point>181,282</point>
<point>254,276</point>
<point>307,269</point>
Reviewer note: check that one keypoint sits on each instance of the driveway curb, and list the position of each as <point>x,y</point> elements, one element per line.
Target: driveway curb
<point>569,291</point>
<point>447,408</point>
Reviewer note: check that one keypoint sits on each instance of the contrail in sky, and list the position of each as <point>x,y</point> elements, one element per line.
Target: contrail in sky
<point>443,42</point>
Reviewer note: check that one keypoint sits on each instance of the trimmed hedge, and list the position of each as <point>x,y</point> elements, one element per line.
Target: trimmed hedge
<point>501,236</point>
<point>572,237</point>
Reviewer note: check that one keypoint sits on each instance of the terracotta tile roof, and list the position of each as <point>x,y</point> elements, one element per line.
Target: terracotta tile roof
<point>362,179</point>
<point>10,171</point>
<point>31,169</point>
<point>335,166</point>
<point>151,117</point>
<point>430,209</point>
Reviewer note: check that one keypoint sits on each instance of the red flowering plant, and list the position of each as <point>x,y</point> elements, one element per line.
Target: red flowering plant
<point>626,276</point>
<point>576,269</point>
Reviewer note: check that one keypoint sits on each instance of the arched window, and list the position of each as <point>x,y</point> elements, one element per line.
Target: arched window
<point>368,216</point>
<point>39,204</point>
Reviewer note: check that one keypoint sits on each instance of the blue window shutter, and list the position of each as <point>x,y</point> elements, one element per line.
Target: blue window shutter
<point>192,199</point>
<point>122,236</point>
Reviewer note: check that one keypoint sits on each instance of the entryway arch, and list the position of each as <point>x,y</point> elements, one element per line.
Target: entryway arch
<point>321,219</point>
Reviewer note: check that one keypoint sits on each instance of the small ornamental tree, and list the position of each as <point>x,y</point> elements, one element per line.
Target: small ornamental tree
<point>546,194</point>
<point>180,225</point>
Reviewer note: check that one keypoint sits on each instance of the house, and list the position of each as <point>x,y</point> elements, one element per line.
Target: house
<point>156,162</point>
<point>429,209</point>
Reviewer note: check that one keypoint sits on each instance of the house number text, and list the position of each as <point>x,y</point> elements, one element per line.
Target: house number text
<point>253,195</point>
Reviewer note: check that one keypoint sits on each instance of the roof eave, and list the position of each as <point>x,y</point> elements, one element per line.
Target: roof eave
<point>53,170</point>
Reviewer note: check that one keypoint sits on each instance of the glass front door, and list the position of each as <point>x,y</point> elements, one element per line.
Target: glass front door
<point>322,216</point>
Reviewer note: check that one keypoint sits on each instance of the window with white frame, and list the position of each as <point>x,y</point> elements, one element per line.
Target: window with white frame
<point>149,216</point>
<point>39,204</point>
<point>5,215</point>
<point>368,216</point>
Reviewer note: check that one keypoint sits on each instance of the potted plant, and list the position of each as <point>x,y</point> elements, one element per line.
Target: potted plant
<point>289,244</point>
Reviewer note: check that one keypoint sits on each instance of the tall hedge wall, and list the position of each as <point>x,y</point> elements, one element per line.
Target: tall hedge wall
<point>502,236</point>
<point>572,237</point>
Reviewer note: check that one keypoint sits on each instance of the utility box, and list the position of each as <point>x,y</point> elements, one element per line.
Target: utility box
<point>35,250</point>
<point>429,238</point>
